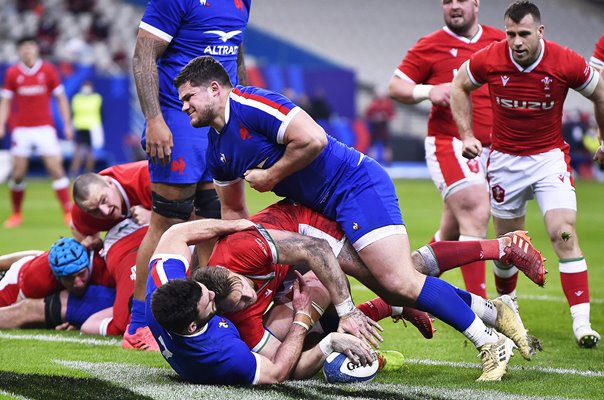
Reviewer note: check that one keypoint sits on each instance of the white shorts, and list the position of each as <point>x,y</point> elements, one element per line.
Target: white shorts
<point>450,171</point>
<point>39,140</point>
<point>514,180</point>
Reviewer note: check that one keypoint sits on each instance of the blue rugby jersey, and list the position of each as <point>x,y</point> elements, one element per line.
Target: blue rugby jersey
<point>216,354</point>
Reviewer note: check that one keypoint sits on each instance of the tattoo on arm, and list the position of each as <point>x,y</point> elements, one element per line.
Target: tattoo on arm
<point>144,67</point>
<point>241,70</point>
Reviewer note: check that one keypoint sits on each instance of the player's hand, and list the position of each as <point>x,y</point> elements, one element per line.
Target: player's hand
<point>92,242</point>
<point>599,155</point>
<point>355,349</point>
<point>440,95</point>
<point>140,215</point>
<point>68,131</point>
<point>302,292</point>
<point>66,326</point>
<point>159,141</point>
<point>259,179</point>
<point>361,326</point>
<point>471,148</point>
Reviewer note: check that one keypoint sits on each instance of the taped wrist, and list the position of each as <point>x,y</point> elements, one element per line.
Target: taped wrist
<point>180,209</point>
<point>207,204</point>
<point>52,310</point>
<point>325,345</point>
<point>422,92</point>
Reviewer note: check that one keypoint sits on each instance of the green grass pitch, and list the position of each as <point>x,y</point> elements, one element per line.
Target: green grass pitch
<point>39,364</point>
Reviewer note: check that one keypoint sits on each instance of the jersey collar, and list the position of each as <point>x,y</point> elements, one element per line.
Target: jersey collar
<point>30,71</point>
<point>534,64</point>
<point>124,195</point>
<point>464,39</point>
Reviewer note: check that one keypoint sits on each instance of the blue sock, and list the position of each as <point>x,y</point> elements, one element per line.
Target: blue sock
<point>465,296</point>
<point>137,316</point>
<point>440,299</point>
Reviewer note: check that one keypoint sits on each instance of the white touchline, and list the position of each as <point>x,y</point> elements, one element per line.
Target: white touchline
<point>57,338</point>
<point>560,371</point>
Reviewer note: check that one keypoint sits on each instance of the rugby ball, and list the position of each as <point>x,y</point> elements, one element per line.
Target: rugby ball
<point>338,368</point>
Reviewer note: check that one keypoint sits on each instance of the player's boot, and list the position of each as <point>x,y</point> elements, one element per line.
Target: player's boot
<point>142,339</point>
<point>586,337</point>
<point>390,360</point>
<point>67,218</point>
<point>495,358</point>
<point>521,253</point>
<point>13,221</point>
<point>510,324</point>
<point>420,319</point>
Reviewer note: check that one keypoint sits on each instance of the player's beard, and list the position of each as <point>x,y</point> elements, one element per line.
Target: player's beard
<point>203,118</point>
<point>463,27</point>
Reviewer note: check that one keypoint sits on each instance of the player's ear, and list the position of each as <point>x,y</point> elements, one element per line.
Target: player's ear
<point>191,328</point>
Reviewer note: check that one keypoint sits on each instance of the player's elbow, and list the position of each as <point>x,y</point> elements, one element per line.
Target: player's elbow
<point>317,142</point>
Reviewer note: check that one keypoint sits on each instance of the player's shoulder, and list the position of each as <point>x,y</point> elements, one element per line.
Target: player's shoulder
<point>431,39</point>
<point>492,33</point>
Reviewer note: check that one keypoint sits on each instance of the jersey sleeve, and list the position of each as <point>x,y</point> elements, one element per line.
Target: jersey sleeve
<point>10,84</point>
<point>265,112</point>
<point>582,77</point>
<point>36,280</point>
<point>163,18</point>
<point>243,365</point>
<point>54,80</point>
<point>246,252</point>
<point>413,67</point>
<point>597,59</point>
<point>477,66</point>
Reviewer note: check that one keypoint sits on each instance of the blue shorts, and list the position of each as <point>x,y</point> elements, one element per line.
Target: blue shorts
<point>366,205</point>
<point>96,298</point>
<point>188,162</point>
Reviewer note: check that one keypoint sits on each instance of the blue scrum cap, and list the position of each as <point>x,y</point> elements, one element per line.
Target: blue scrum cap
<point>67,256</point>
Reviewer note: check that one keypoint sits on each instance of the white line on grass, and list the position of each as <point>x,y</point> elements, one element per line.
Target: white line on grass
<point>560,371</point>
<point>14,396</point>
<point>160,384</point>
<point>58,338</point>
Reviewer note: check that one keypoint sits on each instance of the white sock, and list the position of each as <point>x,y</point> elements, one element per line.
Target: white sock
<point>396,310</point>
<point>479,334</point>
<point>484,309</point>
<point>580,314</point>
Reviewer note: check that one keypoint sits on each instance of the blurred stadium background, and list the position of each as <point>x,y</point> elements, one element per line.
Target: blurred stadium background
<point>336,53</point>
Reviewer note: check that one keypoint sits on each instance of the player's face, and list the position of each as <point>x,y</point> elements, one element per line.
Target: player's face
<point>524,39</point>
<point>206,306</point>
<point>460,15</point>
<point>241,297</point>
<point>76,283</point>
<point>104,202</point>
<point>197,103</point>
<point>28,53</point>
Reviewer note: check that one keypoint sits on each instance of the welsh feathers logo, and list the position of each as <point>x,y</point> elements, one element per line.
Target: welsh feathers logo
<point>498,193</point>
<point>178,166</point>
<point>473,166</point>
<point>546,82</point>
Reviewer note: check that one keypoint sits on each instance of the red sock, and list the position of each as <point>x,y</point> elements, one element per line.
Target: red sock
<point>450,255</point>
<point>16,197</point>
<point>474,277</point>
<point>575,287</point>
<point>376,309</point>
<point>506,285</point>
<point>64,199</point>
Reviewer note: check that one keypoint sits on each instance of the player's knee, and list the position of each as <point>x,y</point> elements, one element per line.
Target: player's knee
<point>178,209</point>
<point>207,204</point>
<point>52,310</point>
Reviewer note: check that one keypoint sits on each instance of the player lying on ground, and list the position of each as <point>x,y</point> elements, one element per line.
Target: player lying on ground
<point>252,253</point>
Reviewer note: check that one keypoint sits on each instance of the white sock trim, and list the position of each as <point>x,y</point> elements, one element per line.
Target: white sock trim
<point>504,272</point>
<point>61,183</point>
<point>572,267</point>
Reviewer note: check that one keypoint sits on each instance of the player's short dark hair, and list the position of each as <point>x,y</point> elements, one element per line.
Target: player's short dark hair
<point>520,9</point>
<point>26,39</point>
<point>218,280</point>
<point>174,305</point>
<point>202,70</point>
<point>82,186</point>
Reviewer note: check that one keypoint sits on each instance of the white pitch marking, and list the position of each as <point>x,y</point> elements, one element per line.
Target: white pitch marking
<point>58,338</point>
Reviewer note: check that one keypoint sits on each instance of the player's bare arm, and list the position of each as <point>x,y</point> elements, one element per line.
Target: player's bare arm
<point>7,260</point>
<point>241,70</point>
<point>148,49</point>
<point>598,99</point>
<point>461,108</point>
<point>232,200</point>
<point>4,110</point>
<point>178,237</point>
<point>65,111</point>
<point>407,92</point>
<point>304,140</point>
<point>316,253</point>
<point>280,367</point>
